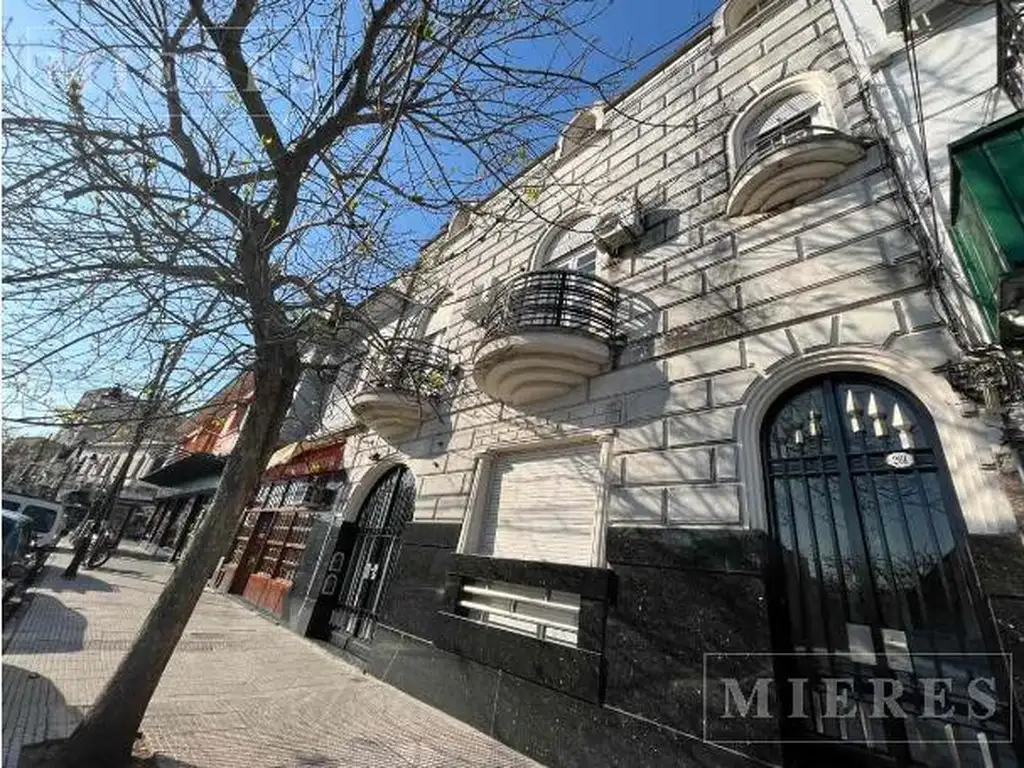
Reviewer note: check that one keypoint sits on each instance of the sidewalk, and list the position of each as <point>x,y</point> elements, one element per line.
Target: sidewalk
<point>239,690</point>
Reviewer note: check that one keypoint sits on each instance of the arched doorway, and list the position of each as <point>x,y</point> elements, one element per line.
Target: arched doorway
<point>873,583</point>
<point>382,517</point>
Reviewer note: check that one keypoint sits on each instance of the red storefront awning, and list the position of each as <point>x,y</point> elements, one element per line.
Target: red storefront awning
<point>307,458</point>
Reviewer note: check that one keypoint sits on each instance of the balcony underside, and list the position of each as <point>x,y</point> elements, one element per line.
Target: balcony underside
<point>791,172</point>
<point>389,413</point>
<point>533,366</point>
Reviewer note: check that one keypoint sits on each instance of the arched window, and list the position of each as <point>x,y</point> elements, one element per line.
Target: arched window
<point>784,121</point>
<point>572,247</point>
<point>787,142</point>
<point>872,575</point>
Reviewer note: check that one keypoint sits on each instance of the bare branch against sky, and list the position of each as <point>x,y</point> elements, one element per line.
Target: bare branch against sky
<point>241,175</point>
<point>164,141</point>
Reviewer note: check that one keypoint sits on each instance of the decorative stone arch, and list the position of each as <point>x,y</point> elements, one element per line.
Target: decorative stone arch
<point>460,223</point>
<point>985,508</point>
<point>732,15</point>
<point>429,309</point>
<point>818,83</point>
<point>350,506</point>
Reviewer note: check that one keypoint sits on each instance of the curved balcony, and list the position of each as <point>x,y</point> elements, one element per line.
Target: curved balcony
<point>545,333</point>
<point>791,165</point>
<point>403,378</point>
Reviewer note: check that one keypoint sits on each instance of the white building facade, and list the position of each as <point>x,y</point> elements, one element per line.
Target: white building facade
<point>688,405</point>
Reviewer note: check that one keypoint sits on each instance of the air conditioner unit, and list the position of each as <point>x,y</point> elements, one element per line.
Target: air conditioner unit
<point>621,223</point>
<point>479,304</point>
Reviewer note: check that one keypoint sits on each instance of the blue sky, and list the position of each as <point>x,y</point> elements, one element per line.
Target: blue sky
<point>627,28</point>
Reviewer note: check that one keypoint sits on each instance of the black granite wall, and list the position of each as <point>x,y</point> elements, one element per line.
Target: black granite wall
<point>630,694</point>
<point>682,594</point>
<point>999,563</point>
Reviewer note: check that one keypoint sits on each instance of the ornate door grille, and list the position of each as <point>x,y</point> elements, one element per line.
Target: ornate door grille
<point>381,520</point>
<point>874,580</point>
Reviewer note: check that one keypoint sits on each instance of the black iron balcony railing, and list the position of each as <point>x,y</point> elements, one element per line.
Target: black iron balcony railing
<point>553,299</point>
<point>766,146</point>
<point>411,366</point>
<point>1010,26</point>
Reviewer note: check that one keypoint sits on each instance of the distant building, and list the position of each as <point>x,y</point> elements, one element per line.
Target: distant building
<point>97,440</point>
<point>32,465</point>
<point>189,476</point>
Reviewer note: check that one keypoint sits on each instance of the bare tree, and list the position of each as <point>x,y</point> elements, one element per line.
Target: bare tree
<point>260,165</point>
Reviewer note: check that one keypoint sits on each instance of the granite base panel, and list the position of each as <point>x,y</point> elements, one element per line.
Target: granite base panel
<point>553,728</point>
<point>633,696</point>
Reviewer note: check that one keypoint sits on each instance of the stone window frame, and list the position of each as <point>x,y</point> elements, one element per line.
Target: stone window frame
<point>817,82</point>
<point>483,466</point>
<point>733,18</point>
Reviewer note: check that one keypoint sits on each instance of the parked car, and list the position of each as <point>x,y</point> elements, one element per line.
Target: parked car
<point>47,518</point>
<point>19,551</point>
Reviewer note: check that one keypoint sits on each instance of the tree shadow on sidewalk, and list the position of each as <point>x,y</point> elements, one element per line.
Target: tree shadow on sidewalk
<point>51,579</point>
<point>23,692</point>
<point>49,627</point>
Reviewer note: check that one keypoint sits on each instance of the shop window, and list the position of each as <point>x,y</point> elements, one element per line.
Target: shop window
<point>277,494</point>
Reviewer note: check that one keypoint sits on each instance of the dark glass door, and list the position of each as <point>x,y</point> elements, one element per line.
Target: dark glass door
<point>875,585</point>
<point>380,523</point>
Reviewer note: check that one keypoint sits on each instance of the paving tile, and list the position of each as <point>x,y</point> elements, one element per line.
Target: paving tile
<point>240,692</point>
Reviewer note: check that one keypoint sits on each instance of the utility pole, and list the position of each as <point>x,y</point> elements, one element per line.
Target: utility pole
<point>99,512</point>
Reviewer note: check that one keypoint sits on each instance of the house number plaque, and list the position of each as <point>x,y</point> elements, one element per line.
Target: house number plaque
<point>900,460</point>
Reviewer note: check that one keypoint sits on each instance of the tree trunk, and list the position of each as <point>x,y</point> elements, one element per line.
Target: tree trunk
<point>106,736</point>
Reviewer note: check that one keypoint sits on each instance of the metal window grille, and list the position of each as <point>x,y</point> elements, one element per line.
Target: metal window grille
<point>410,365</point>
<point>296,495</point>
<point>276,496</point>
<point>535,611</point>
<point>781,137</point>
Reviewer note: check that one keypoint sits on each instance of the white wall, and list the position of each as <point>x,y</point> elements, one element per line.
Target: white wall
<point>717,304</point>
<point>956,64</point>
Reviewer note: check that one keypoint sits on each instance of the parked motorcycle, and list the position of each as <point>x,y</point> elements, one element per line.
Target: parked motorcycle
<point>102,547</point>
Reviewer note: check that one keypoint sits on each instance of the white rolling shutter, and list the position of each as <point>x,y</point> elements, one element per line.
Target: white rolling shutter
<point>784,110</point>
<point>541,506</point>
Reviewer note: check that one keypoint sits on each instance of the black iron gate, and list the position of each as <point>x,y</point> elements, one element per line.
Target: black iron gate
<point>875,585</point>
<point>377,538</point>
